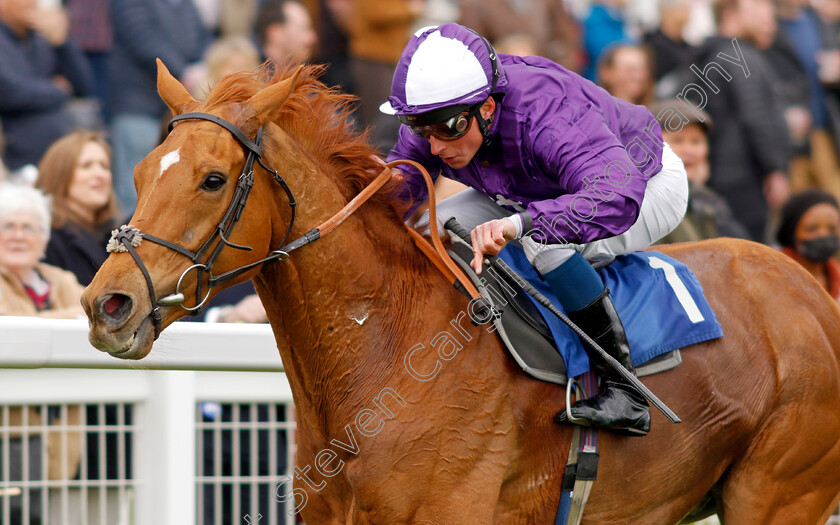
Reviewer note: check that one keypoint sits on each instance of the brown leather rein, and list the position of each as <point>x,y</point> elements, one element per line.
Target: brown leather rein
<point>434,251</point>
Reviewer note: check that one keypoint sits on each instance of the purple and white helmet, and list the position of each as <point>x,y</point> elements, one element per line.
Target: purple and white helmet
<point>443,66</point>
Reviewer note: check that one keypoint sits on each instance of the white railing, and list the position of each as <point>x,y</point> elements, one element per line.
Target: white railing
<point>50,362</point>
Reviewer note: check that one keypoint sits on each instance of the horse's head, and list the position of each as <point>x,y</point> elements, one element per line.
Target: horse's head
<point>188,189</point>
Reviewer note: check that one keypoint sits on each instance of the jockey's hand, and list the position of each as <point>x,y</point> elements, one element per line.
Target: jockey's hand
<point>489,238</point>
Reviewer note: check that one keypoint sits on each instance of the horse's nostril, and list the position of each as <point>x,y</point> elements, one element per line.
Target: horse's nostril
<point>116,307</point>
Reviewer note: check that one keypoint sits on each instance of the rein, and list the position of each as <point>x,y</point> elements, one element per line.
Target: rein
<point>127,237</point>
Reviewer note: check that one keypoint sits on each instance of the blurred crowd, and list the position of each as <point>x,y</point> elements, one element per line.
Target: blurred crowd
<point>747,92</point>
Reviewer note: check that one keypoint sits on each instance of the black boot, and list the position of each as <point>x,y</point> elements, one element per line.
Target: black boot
<point>618,407</point>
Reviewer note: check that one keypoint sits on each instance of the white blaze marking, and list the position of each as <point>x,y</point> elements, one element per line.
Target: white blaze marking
<point>360,320</point>
<point>168,160</point>
<point>165,163</point>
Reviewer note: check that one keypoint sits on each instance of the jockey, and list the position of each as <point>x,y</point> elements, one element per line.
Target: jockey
<point>554,162</point>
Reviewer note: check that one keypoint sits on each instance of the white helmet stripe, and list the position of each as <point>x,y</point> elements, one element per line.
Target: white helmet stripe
<point>442,69</point>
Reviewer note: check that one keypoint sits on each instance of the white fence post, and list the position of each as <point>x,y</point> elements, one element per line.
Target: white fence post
<point>166,466</point>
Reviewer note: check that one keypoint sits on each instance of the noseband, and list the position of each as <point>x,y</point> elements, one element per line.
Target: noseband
<point>128,237</point>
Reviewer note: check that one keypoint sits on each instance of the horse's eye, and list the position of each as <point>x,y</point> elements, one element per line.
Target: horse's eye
<point>213,182</point>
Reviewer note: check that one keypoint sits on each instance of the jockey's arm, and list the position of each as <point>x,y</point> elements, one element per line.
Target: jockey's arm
<point>603,198</point>
<point>604,188</point>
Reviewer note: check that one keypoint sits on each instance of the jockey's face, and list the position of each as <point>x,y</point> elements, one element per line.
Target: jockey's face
<point>459,152</point>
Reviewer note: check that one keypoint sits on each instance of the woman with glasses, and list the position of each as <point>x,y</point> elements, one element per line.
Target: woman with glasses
<point>553,161</point>
<point>28,287</point>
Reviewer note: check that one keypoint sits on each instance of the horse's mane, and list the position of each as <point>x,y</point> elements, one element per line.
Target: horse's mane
<point>318,118</point>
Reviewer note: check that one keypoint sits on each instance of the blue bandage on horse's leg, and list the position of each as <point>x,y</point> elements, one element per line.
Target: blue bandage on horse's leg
<point>575,283</point>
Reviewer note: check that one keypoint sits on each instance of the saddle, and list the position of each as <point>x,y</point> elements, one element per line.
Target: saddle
<point>523,329</point>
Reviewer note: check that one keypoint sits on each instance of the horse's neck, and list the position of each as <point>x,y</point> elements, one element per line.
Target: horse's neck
<point>345,303</point>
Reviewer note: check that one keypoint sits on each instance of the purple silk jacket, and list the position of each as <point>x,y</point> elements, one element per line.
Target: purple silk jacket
<point>574,157</point>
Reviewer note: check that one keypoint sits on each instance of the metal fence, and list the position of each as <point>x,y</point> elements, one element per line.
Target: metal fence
<point>66,464</point>
<point>87,439</point>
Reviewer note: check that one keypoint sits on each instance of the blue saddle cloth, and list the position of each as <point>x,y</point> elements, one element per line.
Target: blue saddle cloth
<point>660,302</point>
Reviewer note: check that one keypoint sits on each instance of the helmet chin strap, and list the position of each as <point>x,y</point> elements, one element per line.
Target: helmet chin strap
<point>484,125</point>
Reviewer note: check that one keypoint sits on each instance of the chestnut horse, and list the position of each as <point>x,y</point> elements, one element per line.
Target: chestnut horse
<point>462,436</point>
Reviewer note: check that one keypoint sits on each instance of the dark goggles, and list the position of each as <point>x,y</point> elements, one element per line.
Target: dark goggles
<point>451,128</point>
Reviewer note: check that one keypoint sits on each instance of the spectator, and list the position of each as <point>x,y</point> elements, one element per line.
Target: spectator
<point>230,55</point>
<point>672,55</point>
<point>333,21</point>
<point>829,63</point>
<point>603,26</point>
<point>237,17</point>
<point>808,233</point>
<point>90,27</point>
<point>284,31</point>
<point>817,163</point>
<point>40,70</point>
<point>813,163</point>
<point>378,31</point>
<point>828,12</point>
<point>30,288</point>
<point>801,26</point>
<point>749,147</point>
<point>625,71</point>
<point>708,215</point>
<point>701,22</point>
<point>226,55</point>
<point>76,174</point>
<point>224,18</point>
<point>556,35</point>
<point>143,31</point>
<point>519,44</point>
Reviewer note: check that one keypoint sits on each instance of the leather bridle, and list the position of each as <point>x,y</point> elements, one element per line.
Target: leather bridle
<point>127,237</point>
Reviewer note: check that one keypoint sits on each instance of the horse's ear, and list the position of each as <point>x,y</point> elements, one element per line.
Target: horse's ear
<point>171,91</point>
<point>268,102</point>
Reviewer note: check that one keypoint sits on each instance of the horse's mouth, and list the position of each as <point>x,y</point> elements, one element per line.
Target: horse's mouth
<point>136,346</point>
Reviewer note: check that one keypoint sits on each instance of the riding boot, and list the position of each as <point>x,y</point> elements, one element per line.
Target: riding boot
<point>618,407</point>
